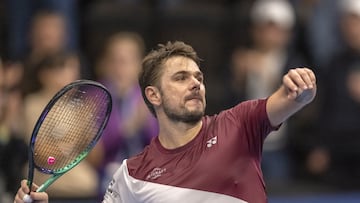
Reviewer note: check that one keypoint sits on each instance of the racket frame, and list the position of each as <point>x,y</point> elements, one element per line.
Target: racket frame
<point>58,173</point>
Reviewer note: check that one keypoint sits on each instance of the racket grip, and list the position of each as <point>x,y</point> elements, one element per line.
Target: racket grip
<point>27,199</point>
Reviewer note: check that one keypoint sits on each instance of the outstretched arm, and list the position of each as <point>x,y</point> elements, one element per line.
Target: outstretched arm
<point>297,90</point>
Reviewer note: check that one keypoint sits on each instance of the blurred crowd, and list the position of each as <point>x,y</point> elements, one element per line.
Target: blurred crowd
<point>246,47</point>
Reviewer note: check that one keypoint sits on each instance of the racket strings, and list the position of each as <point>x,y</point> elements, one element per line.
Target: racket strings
<point>70,127</point>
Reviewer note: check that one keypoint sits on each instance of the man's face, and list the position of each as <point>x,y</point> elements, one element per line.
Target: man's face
<point>123,63</point>
<point>49,33</point>
<point>182,90</point>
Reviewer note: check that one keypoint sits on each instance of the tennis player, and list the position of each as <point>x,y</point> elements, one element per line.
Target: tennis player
<point>198,158</point>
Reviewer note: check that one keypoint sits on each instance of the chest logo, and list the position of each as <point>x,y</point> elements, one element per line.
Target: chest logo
<point>155,173</point>
<point>211,142</point>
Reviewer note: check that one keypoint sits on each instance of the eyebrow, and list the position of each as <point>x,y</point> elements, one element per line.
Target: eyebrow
<point>197,73</point>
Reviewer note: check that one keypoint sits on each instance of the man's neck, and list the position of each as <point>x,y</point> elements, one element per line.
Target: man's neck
<point>176,134</point>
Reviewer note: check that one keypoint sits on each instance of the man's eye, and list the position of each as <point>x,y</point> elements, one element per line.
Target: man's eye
<point>181,77</point>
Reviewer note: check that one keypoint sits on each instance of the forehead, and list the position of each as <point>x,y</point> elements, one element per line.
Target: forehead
<point>179,63</point>
<point>121,44</point>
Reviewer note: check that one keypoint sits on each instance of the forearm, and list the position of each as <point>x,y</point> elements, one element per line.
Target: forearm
<point>280,107</point>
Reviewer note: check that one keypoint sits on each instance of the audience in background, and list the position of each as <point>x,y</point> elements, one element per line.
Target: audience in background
<point>317,36</point>
<point>47,36</point>
<point>131,126</point>
<point>20,13</point>
<point>335,154</point>
<point>13,150</point>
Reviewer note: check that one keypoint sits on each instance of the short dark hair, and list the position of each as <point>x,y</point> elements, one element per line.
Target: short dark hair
<point>46,13</point>
<point>154,61</point>
<point>54,61</point>
<point>50,61</point>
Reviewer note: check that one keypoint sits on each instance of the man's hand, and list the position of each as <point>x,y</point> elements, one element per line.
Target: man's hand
<point>300,84</point>
<point>38,197</point>
<point>297,90</point>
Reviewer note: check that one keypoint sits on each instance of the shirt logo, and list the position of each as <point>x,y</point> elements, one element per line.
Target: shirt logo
<point>211,142</point>
<point>155,173</point>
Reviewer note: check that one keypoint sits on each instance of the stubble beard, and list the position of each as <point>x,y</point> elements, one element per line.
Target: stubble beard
<point>183,115</point>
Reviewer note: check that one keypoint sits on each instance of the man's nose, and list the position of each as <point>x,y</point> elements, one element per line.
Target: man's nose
<point>195,83</point>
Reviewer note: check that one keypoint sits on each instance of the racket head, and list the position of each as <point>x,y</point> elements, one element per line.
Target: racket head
<point>69,127</point>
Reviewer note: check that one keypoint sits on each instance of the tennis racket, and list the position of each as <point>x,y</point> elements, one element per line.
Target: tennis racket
<point>67,129</point>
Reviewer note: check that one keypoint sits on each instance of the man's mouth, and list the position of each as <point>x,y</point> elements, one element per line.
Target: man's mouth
<point>196,97</point>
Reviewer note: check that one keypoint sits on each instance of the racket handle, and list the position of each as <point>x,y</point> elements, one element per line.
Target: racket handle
<point>48,182</point>
<point>43,187</point>
<point>27,199</point>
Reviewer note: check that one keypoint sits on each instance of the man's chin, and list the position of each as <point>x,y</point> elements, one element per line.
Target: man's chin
<point>192,119</point>
<point>195,107</point>
<point>194,116</point>
<point>188,117</point>
<point>195,110</point>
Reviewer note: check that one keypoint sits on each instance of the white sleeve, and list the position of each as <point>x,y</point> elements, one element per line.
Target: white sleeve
<point>118,190</point>
<point>127,189</point>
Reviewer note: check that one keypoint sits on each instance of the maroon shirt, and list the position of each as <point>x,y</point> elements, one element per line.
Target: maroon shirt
<point>224,158</point>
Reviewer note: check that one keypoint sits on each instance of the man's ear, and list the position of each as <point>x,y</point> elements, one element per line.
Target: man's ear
<point>152,93</point>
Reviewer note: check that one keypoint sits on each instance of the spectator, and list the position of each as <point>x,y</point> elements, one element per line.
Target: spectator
<point>47,36</point>
<point>131,126</point>
<point>335,158</point>
<point>20,14</point>
<point>317,35</point>
<point>13,150</point>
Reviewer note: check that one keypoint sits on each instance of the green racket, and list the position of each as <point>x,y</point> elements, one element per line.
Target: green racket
<point>68,128</point>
